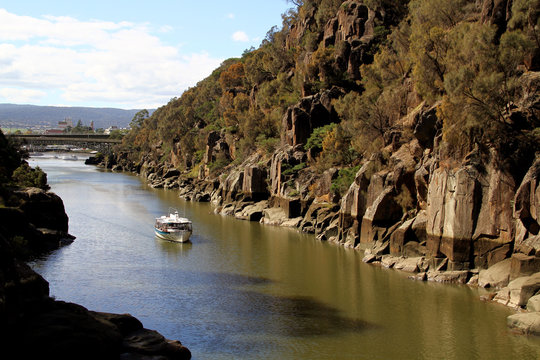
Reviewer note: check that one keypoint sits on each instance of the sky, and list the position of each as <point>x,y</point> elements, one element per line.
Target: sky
<point>123,54</point>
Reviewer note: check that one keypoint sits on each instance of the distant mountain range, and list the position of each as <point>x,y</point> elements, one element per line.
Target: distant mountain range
<point>12,115</point>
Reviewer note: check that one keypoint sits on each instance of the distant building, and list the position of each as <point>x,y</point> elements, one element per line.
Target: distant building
<point>109,129</point>
<point>67,122</point>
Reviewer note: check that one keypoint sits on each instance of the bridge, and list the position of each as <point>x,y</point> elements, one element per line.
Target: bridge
<point>99,142</point>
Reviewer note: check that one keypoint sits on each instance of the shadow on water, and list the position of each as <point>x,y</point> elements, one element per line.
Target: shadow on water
<point>302,316</point>
<point>249,322</point>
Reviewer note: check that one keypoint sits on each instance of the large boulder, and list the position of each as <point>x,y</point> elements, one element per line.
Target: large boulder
<point>44,209</point>
<point>252,212</point>
<point>382,213</point>
<point>519,291</point>
<point>525,323</point>
<point>497,276</point>
<point>529,246</point>
<point>402,235</point>
<point>534,303</point>
<point>523,265</point>
<point>411,264</point>
<point>231,187</point>
<point>274,216</point>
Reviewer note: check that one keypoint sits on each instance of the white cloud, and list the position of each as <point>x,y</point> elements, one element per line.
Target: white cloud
<point>230,16</point>
<point>240,36</point>
<point>20,95</point>
<point>93,61</point>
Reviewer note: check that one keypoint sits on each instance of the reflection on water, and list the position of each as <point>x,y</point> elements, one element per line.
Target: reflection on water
<point>174,248</point>
<point>246,291</point>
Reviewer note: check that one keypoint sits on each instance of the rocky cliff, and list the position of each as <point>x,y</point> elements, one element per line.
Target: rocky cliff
<point>395,146</point>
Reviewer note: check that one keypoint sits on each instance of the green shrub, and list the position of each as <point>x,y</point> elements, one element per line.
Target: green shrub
<point>24,175</point>
<point>316,138</point>
<point>286,169</point>
<point>344,180</point>
<point>218,164</point>
<point>268,144</point>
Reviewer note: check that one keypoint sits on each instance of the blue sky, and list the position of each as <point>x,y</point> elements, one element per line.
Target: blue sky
<point>125,54</point>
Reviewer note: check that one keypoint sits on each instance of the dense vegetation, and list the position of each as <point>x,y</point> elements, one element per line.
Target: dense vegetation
<point>422,52</point>
<point>15,171</point>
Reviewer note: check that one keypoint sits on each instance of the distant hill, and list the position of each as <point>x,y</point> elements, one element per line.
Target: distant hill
<point>12,115</point>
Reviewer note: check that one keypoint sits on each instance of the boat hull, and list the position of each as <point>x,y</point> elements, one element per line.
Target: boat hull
<point>176,236</point>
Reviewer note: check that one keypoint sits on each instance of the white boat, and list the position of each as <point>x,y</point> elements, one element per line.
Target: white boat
<point>173,227</point>
<point>70,157</point>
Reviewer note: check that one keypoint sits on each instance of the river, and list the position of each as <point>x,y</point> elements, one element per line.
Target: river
<point>243,290</point>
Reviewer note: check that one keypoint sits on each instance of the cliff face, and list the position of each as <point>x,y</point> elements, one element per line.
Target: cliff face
<point>34,221</point>
<point>459,212</point>
<point>441,172</point>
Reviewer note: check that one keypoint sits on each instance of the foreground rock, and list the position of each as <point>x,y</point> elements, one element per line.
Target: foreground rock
<point>32,324</point>
<point>519,291</point>
<point>70,331</point>
<point>525,323</point>
<point>34,221</point>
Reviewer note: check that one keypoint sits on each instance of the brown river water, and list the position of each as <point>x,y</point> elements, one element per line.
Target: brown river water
<point>243,290</point>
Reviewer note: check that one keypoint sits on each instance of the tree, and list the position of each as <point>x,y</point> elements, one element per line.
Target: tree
<point>431,22</point>
<point>24,175</point>
<point>10,158</point>
<point>138,119</point>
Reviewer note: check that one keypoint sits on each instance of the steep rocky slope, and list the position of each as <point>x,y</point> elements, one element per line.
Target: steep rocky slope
<point>414,137</point>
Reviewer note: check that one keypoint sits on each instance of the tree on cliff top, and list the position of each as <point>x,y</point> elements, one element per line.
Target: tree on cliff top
<point>10,159</point>
<point>432,51</point>
<point>14,170</point>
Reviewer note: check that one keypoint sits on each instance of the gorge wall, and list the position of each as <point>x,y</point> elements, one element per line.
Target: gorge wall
<point>430,188</point>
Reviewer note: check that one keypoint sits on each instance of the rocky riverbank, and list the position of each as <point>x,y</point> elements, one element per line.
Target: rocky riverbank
<point>372,136</point>
<point>34,325</point>
<point>474,222</point>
